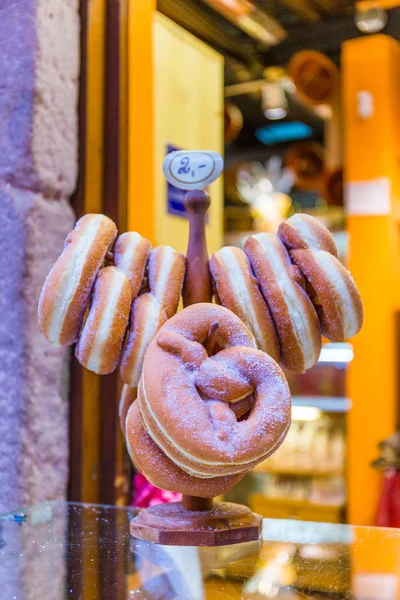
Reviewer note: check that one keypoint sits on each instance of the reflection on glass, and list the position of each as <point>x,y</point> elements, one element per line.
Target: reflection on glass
<point>55,551</point>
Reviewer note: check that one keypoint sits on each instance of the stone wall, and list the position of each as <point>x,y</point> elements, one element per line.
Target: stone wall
<point>39,71</point>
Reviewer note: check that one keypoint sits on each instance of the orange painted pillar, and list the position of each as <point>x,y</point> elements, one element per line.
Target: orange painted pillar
<point>140,118</point>
<point>375,563</point>
<point>371,96</point>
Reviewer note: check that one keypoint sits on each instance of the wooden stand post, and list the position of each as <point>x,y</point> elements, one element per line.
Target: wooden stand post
<point>197,285</point>
<point>197,521</point>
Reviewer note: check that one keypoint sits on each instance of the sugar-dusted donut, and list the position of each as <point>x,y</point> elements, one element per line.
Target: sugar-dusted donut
<point>291,309</point>
<point>99,343</point>
<point>166,271</point>
<point>128,396</point>
<point>302,231</point>
<point>184,396</point>
<point>66,290</point>
<point>334,293</point>
<point>146,318</point>
<point>131,253</point>
<point>161,471</point>
<point>166,274</point>
<point>238,290</point>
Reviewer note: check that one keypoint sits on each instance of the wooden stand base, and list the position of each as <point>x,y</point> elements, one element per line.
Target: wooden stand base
<point>220,525</point>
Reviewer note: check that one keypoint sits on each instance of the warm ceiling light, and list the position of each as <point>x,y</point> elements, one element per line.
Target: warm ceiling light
<point>245,15</point>
<point>370,20</point>
<point>305,413</point>
<point>237,7</point>
<point>274,114</point>
<point>336,353</point>
<point>274,102</point>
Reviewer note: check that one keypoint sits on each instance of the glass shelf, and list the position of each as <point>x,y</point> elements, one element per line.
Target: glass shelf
<point>59,551</point>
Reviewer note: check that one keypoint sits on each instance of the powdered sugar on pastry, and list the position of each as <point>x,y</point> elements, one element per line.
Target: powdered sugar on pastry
<point>304,232</point>
<point>184,399</point>
<point>100,340</point>
<point>66,291</point>
<point>292,312</point>
<point>238,290</point>
<point>131,253</point>
<point>338,302</point>
<point>166,274</point>
<point>147,316</point>
<point>163,472</point>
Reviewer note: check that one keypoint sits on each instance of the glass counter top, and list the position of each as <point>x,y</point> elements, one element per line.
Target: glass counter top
<point>60,551</point>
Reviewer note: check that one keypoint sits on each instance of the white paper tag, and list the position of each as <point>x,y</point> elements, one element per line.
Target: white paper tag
<point>375,586</point>
<point>368,197</point>
<point>192,169</point>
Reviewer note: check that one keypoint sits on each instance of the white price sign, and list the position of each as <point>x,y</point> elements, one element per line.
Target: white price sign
<point>192,169</point>
<point>368,197</point>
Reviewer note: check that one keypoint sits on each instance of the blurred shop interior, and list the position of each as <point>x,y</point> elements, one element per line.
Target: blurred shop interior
<point>301,97</point>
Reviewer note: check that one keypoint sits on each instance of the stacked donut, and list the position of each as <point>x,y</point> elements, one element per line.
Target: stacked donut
<point>288,289</point>
<point>210,405</point>
<point>99,306</point>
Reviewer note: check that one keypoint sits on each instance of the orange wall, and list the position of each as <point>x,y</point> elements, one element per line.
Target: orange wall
<point>375,558</point>
<point>140,118</point>
<point>372,151</point>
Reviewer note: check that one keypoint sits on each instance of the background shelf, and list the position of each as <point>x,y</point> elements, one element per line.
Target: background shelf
<point>332,404</point>
<point>263,468</point>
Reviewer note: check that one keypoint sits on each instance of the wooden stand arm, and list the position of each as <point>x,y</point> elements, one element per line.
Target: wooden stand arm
<point>197,284</point>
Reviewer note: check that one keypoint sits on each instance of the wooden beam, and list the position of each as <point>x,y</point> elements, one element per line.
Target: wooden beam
<point>325,7</point>
<point>325,36</point>
<point>303,9</point>
<point>257,23</point>
<point>210,27</point>
<point>84,401</point>
<point>93,152</point>
<point>114,206</point>
<point>78,204</point>
<point>97,450</point>
<point>84,412</point>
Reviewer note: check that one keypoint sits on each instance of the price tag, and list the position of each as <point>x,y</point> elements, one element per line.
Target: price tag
<point>192,169</point>
<point>372,197</point>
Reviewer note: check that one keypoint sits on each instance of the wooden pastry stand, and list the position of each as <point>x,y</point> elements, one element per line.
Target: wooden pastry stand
<point>197,521</point>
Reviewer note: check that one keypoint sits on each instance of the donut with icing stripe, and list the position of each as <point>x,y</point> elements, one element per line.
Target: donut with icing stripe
<point>66,291</point>
<point>146,318</point>
<point>131,253</point>
<point>292,311</point>
<point>302,231</point>
<point>100,341</point>
<point>334,293</point>
<point>238,290</point>
<point>166,271</point>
